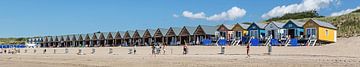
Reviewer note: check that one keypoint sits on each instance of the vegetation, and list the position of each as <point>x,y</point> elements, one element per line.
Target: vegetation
<point>348,25</point>
<point>300,15</point>
<point>356,11</point>
<point>12,40</point>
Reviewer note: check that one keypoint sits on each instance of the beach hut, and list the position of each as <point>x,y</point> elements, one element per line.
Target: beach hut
<point>138,37</point>
<point>160,34</point>
<point>87,40</point>
<point>53,41</point>
<point>148,37</point>
<point>94,39</point>
<point>46,41</point>
<point>61,41</point>
<point>224,31</point>
<point>67,41</point>
<point>128,38</point>
<point>203,32</point>
<point>239,30</point>
<point>173,35</point>
<point>274,29</point>
<point>79,40</point>
<point>257,30</point>
<point>101,39</point>
<point>186,35</point>
<point>109,39</point>
<point>118,38</point>
<point>294,28</point>
<point>73,40</point>
<point>323,31</point>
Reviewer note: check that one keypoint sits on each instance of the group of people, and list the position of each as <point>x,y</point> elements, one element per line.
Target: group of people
<point>9,51</point>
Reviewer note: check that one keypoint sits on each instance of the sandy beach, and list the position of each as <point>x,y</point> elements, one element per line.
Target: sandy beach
<point>344,53</point>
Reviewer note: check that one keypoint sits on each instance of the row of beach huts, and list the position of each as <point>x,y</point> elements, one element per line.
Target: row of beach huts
<point>310,32</point>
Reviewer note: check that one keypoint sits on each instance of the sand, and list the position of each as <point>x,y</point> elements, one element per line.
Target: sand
<point>344,53</point>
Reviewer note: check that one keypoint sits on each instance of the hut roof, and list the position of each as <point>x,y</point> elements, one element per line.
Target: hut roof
<point>191,30</point>
<point>324,24</point>
<point>209,29</point>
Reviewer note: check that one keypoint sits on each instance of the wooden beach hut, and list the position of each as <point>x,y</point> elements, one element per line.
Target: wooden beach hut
<point>67,41</point>
<point>149,36</point>
<point>79,40</point>
<point>204,32</point>
<point>257,30</point>
<point>173,35</point>
<point>73,40</point>
<point>46,41</point>
<point>101,39</point>
<point>109,39</point>
<point>322,31</point>
<point>94,39</point>
<point>118,38</point>
<point>294,28</point>
<point>61,41</point>
<point>138,37</point>
<point>128,38</point>
<point>274,29</point>
<point>160,36</point>
<point>224,30</point>
<point>239,30</point>
<point>87,40</point>
<point>186,35</point>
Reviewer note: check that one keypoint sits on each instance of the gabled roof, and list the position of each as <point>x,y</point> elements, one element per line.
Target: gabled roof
<point>278,24</point>
<point>324,24</point>
<point>131,33</point>
<point>190,29</point>
<point>176,30</point>
<point>261,25</point>
<point>209,29</point>
<point>297,23</point>
<point>151,31</point>
<point>140,32</point>
<point>229,27</point>
<point>163,31</point>
<point>244,26</point>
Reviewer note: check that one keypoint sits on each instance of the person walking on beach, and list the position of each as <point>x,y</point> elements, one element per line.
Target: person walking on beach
<point>163,48</point>
<point>248,46</point>
<point>153,48</point>
<point>44,51</point>
<point>185,49</point>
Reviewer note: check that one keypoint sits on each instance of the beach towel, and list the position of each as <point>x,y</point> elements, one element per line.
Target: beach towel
<point>294,42</point>
<point>222,42</point>
<point>206,42</point>
<point>255,42</point>
<point>274,42</point>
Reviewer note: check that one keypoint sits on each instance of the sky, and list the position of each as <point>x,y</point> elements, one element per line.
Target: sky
<point>27,18</point>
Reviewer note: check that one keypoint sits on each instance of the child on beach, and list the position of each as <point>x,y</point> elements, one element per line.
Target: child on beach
<point>248,47</point>
<point>185,49</point>
<point>44,51</point>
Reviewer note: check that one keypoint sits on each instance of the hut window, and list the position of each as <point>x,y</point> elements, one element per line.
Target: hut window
<point>326,32</point>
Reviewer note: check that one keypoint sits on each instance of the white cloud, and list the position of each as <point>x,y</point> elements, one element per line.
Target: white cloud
<point>175,15</point>
<point>192,15</point>
<point>306,5</point>
<point>231,14</point>
<point>344,11</point>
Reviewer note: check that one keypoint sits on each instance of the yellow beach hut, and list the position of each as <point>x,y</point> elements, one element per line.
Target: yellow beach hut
<point>322,31</point>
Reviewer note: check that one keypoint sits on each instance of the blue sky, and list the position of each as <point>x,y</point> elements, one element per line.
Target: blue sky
<point>23,18</point>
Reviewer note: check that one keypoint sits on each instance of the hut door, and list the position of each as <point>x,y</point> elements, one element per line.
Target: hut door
<point>273,33</point>
<point>291,32</point>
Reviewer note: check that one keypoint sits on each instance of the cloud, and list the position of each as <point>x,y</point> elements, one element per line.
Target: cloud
<point>175,15</point>
<point>192,15</point>
<point>231,14</point>
<point>305,5</point>
<point>344,11</point>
